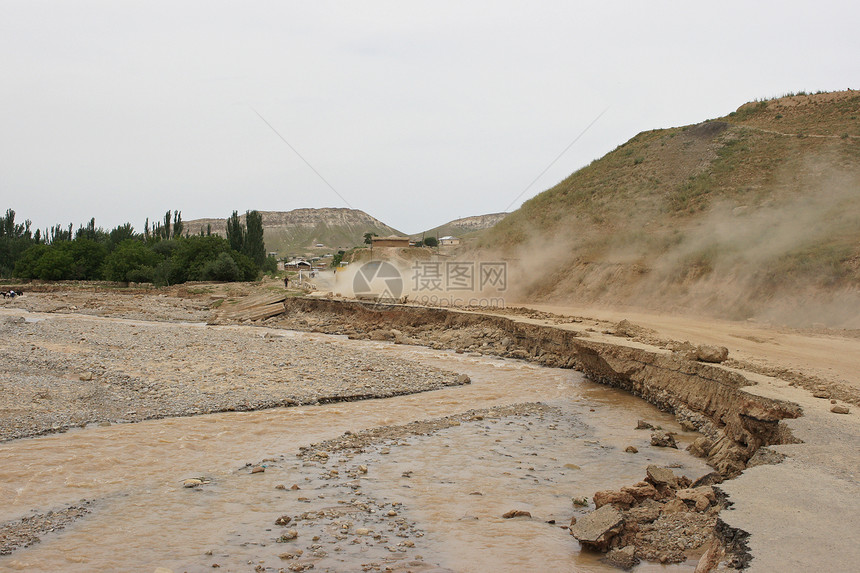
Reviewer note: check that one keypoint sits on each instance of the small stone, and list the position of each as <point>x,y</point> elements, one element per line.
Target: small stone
<point>258,469</point>
<point>840,409</point>
<point>463,379</point>
<point>288,536</point>
<point>631,450</point>
<point>391,513</point>
<point>283,520</point>
<point>643,425</point>
<point>572,467</point>
<point>516,513</point>
<point>580,501</point>
<point>295,487</point>
<point>192,482</point>
<point>821,394</point>
<point>86,376</point>
<point>362,531</point>
<point>362,469</point>
<point>280,486</point>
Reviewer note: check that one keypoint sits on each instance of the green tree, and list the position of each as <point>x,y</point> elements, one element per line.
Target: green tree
<point>254,247</point>
<point>431,242</point>
<point>178,226</point>
<point>15,239</point>
<point>368,238</point>
<point>223,268</point>
<point>119,234</point>
<point>235,232</point>
<point>132,260</point>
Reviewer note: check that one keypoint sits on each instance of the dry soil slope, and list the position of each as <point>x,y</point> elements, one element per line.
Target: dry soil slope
<point>756,214</point>
<point>298,231</point>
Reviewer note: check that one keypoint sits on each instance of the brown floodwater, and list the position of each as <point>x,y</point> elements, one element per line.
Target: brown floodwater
<point>452,486</point>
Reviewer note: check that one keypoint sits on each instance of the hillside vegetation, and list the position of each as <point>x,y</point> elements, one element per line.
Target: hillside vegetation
<point>752,215</point>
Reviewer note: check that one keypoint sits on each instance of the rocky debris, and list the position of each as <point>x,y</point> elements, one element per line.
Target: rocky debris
<point>662,439</point>
<point>701,352</point>
<point>765,456</point>
<point>839,409</point>
<point>662,518</point>
<point>631,450</point>
<point>28,530</point>
<point>643,425</point>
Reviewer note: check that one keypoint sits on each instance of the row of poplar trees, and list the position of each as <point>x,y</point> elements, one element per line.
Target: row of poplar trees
<point>165,253</point>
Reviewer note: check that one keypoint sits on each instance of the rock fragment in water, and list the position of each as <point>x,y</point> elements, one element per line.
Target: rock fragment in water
<point>663,439</point>
<point>631,450</point>
<point>516,513</point>
<point>624,558</point>
<point>839,409</point>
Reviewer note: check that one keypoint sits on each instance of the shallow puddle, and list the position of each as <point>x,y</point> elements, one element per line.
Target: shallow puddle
<point>448,489</point>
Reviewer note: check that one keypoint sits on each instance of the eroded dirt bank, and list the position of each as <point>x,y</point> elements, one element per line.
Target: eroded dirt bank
<point>735,423</point>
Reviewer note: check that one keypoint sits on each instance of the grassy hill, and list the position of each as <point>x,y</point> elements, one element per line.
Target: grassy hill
<point>752,215</point>
<point>297,232</point>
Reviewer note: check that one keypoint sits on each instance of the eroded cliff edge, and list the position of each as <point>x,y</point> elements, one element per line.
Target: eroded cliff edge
<point>734,423</point>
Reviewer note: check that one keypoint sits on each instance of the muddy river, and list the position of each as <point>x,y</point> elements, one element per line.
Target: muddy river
<point>421,502</point>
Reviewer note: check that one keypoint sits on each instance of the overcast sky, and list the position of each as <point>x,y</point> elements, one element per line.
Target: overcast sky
<point>415,112</point>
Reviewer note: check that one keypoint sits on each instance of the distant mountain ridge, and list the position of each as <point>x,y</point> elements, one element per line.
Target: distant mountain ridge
<point>463,226</point>
<point>298,231</point>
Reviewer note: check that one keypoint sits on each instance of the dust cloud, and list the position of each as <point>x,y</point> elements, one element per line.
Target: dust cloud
<point>790,257</point>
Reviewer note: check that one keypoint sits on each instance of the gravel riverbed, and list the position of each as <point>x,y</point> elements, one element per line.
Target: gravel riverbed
<point>63,371</point>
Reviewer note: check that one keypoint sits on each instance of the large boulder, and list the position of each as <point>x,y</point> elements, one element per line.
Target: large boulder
<point>597,529</point>
<point>661,476</point>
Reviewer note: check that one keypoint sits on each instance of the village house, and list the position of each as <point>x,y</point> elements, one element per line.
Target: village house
<point>391,241</point>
